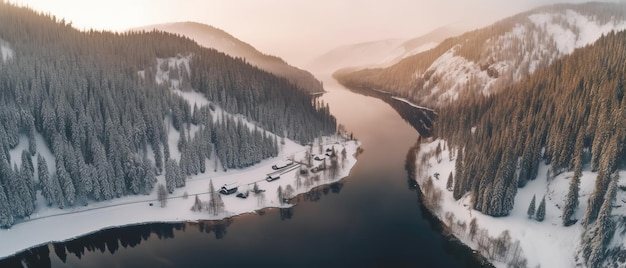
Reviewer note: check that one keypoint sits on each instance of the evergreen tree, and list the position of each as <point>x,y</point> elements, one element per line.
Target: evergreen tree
<point>438,152</point>
<point>66,184</point>
<point>279,193</point>
<point>531,208</point>
<point>458,168</point>
<point>571,201</point>
<point>197,205</point>
<point>216,205</point>
<point>541,210</point>
<point>171,175</point>
<point>47,187</point>
<point>6,215</point>
<point>449,182</point>
<point>604,227</point>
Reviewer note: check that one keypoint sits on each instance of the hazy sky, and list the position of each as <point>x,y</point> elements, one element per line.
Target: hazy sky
<point>296,30</point>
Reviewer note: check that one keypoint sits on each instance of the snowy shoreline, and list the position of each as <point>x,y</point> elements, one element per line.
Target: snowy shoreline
<point>78,221</point>
<point>547,243</point>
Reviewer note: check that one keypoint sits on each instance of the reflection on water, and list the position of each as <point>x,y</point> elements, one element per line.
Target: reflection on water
<point>420,119</point>
<point>113,239</point>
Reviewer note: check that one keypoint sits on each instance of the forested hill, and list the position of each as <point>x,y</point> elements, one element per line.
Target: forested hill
<point>487,60</point>
<point>102,104</point>
<point>572,116</point>
<point>212,37</point>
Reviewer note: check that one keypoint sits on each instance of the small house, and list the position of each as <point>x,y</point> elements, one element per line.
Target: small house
<point>229,188</point>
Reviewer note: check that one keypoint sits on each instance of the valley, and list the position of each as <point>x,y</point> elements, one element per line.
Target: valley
<point>425,137</point>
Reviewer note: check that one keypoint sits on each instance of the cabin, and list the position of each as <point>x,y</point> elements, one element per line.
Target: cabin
<point>229,189</point>
<point>282,164</point>
<point>272,177</point>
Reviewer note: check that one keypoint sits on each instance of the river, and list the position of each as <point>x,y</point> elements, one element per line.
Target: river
<point>372,218</point>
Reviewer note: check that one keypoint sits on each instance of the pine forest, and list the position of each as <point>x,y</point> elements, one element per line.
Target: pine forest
<point>94,99</point>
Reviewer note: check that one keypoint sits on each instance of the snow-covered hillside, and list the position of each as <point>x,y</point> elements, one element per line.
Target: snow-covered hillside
<point>490,59</point>
<point>517,238</point>
<point>534,41</point>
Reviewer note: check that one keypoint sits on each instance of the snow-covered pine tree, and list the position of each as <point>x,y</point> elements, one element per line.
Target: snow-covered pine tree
<point>197,205</point>
<point>216,205</point>
<point>170,174</point>
<point>44,180</point>
<point>458,169</point>
<point>449,182</point>
<point>162,195</point>
<point>571,201</point>
<point>604,226</point>
<point>149,178</point>
<point>541,210</point>
<point>531,208</point>
<point>66,184</point>
<point>6,215</point>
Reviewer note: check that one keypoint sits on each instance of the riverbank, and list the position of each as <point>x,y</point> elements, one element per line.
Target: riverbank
<point>516,239</point>
<point>77,221</point>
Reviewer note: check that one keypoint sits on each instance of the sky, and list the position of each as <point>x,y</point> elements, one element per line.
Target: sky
<point>296,30</point>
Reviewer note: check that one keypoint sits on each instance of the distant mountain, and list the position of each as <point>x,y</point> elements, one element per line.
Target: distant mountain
<point>381,53</point>
<point>485,60</point>
<point>220,40</point>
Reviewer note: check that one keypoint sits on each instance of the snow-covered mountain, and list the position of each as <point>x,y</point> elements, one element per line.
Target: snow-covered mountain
<point>381,53</point>
<point>211,37</point>
<point>489,59</point>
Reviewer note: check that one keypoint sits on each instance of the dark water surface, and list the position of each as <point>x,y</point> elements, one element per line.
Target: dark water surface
<point>370,219</point>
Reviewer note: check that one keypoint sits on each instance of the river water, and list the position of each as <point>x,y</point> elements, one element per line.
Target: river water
<point>373,218</point>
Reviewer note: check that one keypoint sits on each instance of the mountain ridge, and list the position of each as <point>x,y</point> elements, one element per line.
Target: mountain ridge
<point>220,40</point>
<point>380,53</point>
<point>485,60</point>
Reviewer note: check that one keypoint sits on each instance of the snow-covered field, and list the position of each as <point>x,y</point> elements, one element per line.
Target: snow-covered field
<point>542,244</point>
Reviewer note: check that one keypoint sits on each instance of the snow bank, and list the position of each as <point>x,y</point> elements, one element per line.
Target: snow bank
<point>412,104</point>
<point>545,244</point>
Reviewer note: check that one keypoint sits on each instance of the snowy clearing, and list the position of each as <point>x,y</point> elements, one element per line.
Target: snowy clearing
<point>544,244</point>
<point>5,50</point>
